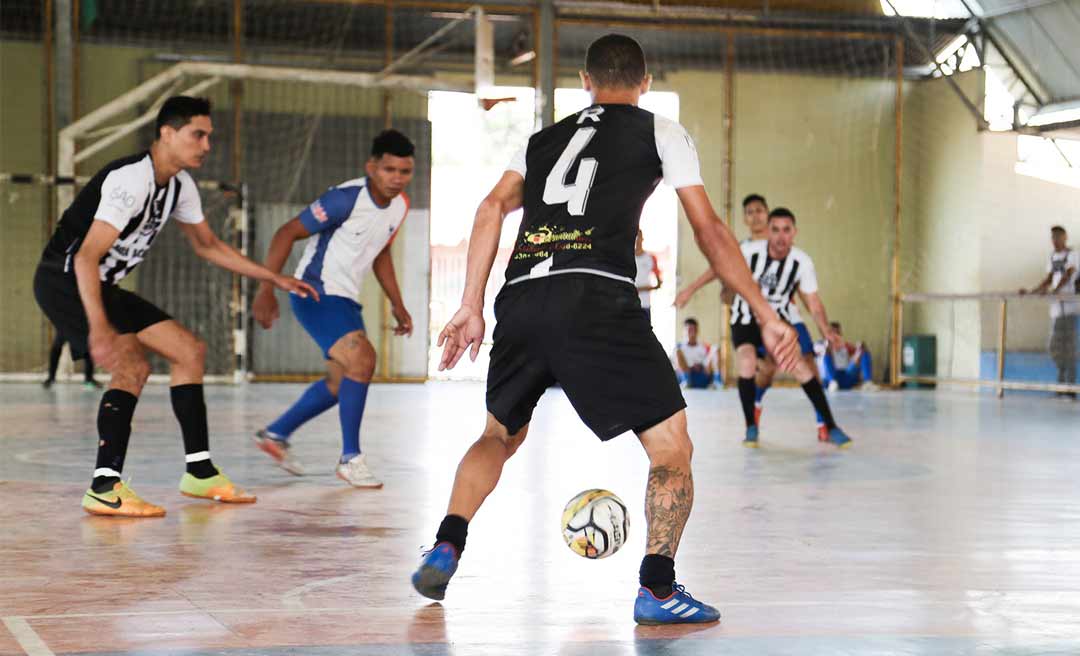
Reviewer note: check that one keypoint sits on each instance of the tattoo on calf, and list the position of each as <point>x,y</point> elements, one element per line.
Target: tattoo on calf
<point>669,497</point>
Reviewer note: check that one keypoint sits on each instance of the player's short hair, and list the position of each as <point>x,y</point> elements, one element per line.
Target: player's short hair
<point>178,111</point>
<point>754,198</point>
<point>691,322</point>
<point>782,213</point>
<point>1057,230</point>
<point>615,61</point>
<point>392,142</point>
<point>835,326</point>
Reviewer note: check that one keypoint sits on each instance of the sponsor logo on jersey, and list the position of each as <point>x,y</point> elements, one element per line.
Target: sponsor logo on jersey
<point>122,197</point>
<point>546,240</point>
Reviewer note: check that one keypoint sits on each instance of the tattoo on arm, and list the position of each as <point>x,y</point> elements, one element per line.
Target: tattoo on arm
<point>669,497</point>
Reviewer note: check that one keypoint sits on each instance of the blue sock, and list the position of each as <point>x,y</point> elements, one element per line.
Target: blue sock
<point>352,396</point>
<point>315,400</point>
<point>759,393</point>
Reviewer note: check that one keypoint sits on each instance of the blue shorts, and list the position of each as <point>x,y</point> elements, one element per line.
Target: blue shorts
<point>328,319</point>
<point>806,343</point>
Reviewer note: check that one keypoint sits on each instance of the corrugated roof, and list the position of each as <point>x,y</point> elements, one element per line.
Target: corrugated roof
<point>1045,37</point>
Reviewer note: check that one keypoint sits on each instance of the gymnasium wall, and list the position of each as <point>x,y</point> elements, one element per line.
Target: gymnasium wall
<point>973,224</point>
<point>22,149</point>
<point>821,146</point>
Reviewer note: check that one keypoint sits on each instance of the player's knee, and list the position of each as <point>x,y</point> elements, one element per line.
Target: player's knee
<point>672,448</point>
<point>193,354</point>
<point>198,351</point>
<point>131,372</point>
<point>497,433</point>
<point>359,359</point>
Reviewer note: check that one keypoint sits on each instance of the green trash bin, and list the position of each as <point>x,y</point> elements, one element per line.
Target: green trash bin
<point>919,358</point>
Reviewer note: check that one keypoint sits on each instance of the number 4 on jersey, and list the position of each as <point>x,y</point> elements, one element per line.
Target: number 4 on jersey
<point>575,195</point>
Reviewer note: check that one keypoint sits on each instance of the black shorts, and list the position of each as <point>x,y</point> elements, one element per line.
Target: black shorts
<point>589,334</point>
<point>747,333</point>
<point>57,294</point>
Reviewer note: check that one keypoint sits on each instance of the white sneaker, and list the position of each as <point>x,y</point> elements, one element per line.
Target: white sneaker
<point>833,386</point>
<point>870,387</point>
<point>279,450</point>
<point>355,472</point>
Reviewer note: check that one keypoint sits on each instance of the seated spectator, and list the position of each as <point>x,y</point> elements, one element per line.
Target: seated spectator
<point>694,362</point>
<point>846,367</point>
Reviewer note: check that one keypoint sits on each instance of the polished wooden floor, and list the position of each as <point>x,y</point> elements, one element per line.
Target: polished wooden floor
<point>951,527</point>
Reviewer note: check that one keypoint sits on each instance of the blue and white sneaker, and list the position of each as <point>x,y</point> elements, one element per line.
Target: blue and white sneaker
<point>750,440</point>
<point>678,608</point>
<point>435,571</point>
<point>837,437</point>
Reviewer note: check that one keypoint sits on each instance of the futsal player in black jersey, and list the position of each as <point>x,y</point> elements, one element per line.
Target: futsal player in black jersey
<point>570,314</point>
<point>102,237</point>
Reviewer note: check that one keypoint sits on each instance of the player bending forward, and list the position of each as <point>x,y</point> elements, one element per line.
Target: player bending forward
<point>101,238</point>
<point>570,314</point>
<point>356,222</point>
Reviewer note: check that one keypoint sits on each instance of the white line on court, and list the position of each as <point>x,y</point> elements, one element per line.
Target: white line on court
<point>27,638</point>
<point>397,609</point>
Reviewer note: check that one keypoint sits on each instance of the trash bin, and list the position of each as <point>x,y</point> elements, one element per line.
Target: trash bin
<point>919,358</point>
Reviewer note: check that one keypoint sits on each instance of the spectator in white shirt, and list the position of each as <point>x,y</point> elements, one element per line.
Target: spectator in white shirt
<point>694,360</point>
<point>1062,277</point>
<point>647,272</point>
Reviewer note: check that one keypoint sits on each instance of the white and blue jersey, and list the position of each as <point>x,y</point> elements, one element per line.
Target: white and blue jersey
<point>349,230</point>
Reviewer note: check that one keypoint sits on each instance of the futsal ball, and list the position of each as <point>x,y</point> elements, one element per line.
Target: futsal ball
<point>595,524</point>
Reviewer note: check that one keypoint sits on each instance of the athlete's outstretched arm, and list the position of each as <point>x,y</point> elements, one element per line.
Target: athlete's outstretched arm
<point>383,267</point>
<point>719,245</point>
<point>688,292</point>
<point>817,310</point>
<point>466,329</point>
<point>265,306</point>
<point>1041,287</point>
<point>207,246</point>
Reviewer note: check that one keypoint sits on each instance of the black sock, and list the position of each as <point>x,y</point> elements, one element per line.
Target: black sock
<point>114,430</point>
<point>816,393</point>
<point>454,530</point>
<point>657,573</point>
<point>190,410</point>
<point>747,393</point>
<point>54,357</point>
<point>88,363</point>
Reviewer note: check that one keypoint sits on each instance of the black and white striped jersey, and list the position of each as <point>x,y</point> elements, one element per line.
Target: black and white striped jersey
<point>779,280</point>
<point>587,178</point>
<point>124,195</point>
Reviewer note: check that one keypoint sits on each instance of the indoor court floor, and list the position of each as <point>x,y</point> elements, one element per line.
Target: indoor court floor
<point>952,526</point>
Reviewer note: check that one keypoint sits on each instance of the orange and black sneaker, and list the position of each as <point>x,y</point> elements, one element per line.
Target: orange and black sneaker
<point>121,501</point>
<point>217,487</point>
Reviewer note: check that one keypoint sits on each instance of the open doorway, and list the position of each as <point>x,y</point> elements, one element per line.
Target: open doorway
<point>470,148</point>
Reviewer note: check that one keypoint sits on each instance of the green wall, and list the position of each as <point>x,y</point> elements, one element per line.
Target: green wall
<point>23,208</point>
<point>831,162</point>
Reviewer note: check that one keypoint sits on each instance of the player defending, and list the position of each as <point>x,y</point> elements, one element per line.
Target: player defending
<point>756,217</point>
<point>569,312</point>
<point>356,223</point>
<point>781,269</point>
<point>101,238</point>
